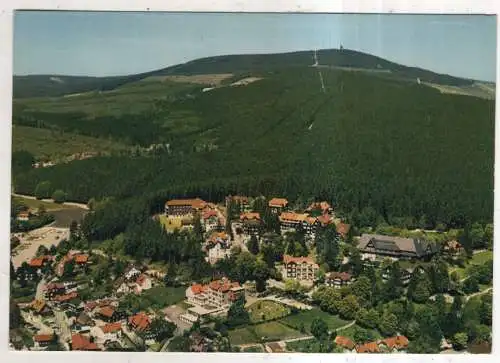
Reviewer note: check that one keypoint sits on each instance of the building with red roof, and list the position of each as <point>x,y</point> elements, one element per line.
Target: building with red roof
<point>184,207</point>
<point>218,293</point>
<point>371,347</point>
<point>81,342</point>
<point>300,268</point>
<point>397,343</point>
<point>345,343</point>
<point>277,205</point>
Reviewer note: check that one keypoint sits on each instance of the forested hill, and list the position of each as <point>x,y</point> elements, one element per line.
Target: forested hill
<point>56,85</point>
<point>403,148</point>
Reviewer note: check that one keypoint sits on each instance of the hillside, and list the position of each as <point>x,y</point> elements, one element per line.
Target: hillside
<point>405,149</point>
<point>55,85</point>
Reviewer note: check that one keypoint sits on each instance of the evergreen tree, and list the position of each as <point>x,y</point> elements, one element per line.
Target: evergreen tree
<point>237,315</point>
<point>253,245</point>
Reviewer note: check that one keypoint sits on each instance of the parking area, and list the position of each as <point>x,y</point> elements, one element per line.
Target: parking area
<point>173,312</point>
<point>30,241</point>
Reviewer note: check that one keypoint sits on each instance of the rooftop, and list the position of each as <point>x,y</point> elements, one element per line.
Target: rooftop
<point>80,342</point>
<point>278,202</point>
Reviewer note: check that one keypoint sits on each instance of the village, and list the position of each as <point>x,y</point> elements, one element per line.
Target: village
<point>314,296</point>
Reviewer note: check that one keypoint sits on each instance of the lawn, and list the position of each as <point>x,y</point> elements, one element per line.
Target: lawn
<point>264,310</point>
<point>36,204</point>
<point>270,331</point>
<point>161,296</point>
<point>349,332</point>
<point>477,259</point>
<point>305,318</point>
<point>170,224</point>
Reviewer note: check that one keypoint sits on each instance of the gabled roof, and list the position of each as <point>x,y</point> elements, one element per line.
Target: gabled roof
<point>223,285</point>
<point>290,259</point>
<point>209,214</point>
<point>107,311</point>
<point>111,328</point>
<point>292,217</point>
<point>394,244</point>
<point>140,321</point>
<point>398,342</point>
<point>66,297</point>
<point>371,347</point>
<point>196,203</point>
<point>37,262</point>
<point>344,342</point>
<point>250,216</point>
<point>278,202</point>
<point>83,258</point>
<point>80,342</point>
<point>43,338</point>
<point>198,289</point>
<point>344,276</point>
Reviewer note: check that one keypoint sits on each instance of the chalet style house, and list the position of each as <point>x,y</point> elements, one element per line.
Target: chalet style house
<point>278,205</point>
<point>290,221</point>
<point>299,268</point>
<point>251,223</point>
<point>345,343</point>
<point>372,246</point>
<point>338,279</point>
<point>184,207</point>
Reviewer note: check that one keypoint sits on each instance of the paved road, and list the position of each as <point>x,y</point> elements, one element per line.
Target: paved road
<point>478,293</point>
<point>39,295</point>
<point>69,204</point>
<point>63,325</point>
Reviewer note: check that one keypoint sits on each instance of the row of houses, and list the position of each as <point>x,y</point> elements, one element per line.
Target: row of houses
<point>398,343</point>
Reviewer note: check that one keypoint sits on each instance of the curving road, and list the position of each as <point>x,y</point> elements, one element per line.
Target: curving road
<point>69,204</point>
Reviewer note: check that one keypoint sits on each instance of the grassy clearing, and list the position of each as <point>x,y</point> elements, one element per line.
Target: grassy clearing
<point>161,296</point>
<point>55,145</point>
<point>36,204</point>
<point>170,224</point>
<point>270,331</point>
<point>261,311</point>
<point>305,318</point>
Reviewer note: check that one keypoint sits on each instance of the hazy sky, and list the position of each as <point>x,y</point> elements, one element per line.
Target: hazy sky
<point>101,44</point>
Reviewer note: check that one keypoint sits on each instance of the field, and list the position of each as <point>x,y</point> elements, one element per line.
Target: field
<point>267,310</point>
<point>304,318</point>
<point>54,145</point>
<point>270,331</point>
<point>477,259</point>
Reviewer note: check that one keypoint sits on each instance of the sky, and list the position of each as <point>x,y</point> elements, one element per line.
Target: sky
<point>119,43</point>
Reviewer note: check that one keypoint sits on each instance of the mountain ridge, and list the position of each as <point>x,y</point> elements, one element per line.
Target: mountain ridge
<point>26,86</point>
